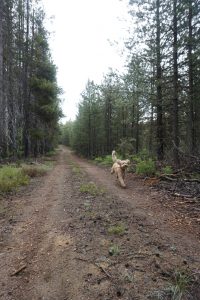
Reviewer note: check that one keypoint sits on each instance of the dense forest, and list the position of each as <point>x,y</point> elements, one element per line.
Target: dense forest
<point>155,105</point>
<point>29,95</point>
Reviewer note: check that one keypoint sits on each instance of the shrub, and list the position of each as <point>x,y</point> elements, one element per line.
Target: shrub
<point>76,170</point>
<point>91,188</point>
<point>11,178</point>
<point>146,167</point>
<point>51,153</point>
<point>35,170</point>
<point>105,161</point>
<point>167,170</point>
<point>180,285</point>
<point>98,160</point>
<point>117,229</point>
<point>125,147</point>
<point>114,250</point>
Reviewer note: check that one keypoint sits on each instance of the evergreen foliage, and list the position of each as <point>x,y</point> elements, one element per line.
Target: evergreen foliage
<point>155,104</point>
<point>29,95</point>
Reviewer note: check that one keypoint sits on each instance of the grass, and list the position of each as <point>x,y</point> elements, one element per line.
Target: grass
<point>87,205</point>
<point>36,170</point>
<point>184,285</point>
<point>114,250</point>
<point>51,153</point>
<point>118,229</point>
<point>92,189</point>
<point>76,170</point>
<point>11,178</point>
<point>146,167</point>
<point>167,170</point>
<point>104,161</point>
<point>180,285</point>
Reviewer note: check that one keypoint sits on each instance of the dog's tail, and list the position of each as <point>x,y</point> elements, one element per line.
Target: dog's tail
<point>114,157</point>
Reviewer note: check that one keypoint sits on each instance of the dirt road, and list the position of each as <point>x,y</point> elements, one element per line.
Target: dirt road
<point>58,242</point>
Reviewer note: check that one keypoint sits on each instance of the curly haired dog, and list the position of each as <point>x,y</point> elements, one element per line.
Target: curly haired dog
<point>119,168</point>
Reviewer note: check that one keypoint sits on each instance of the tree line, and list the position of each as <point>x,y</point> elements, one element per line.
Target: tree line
<point>155,105</point>
<point>29,94</point>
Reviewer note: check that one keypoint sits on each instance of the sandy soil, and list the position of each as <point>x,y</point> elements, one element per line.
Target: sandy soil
<point>58,243</point>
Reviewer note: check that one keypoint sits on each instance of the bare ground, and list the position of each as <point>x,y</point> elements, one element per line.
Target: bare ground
<point>56,244</point>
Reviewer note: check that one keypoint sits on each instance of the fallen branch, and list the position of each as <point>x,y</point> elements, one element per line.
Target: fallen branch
<point>82,259</point>
<point>96,264</point>
<point>192,180</point>
<point>103,270</point>
<point>182,195</point>
<point>19,270</point>
<point>188,201</point>
<point>167,178</point>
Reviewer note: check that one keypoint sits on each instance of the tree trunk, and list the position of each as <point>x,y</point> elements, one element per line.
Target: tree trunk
<point>1,80</point>
<point>160,137</point>
<point>108,128</point>
<point>3,83</point>
<point>192,135</point>
<point>137,139</point>
<point>26,136</point>
<point>175,88</point>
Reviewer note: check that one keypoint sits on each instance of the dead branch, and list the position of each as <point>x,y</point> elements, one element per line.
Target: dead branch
<point>103,270</point>
<point>186,154</point>
<point>82,259</point>
<point>164,177</point>
<point>182,195</point>
<point>192,180</point>
<point>19,270</point>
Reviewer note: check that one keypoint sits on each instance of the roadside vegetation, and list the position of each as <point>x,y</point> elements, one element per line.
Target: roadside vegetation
<point>92,189</point>
<point>15,175</point>
<point>11,178</point>
<point>35,170</point>
<point>118,229</point>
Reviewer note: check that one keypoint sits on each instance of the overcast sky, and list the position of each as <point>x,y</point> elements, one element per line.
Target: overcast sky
<point>81,36</point>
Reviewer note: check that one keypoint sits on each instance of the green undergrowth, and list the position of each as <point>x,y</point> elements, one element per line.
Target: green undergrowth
<point>167,170</point>
<point>104,160</point>
<point>11,178</point>
<point>51,153</point>
<point>183,284</point>
<point>36,170</point>
<point>76,170</point>
<point>14,176</point>
<point>92,189</point>
<point>146,167</point>
<point>117,229</point>
<point>180,285</point>
<point>114,250</point>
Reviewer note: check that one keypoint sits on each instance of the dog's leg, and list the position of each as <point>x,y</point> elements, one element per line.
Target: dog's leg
<point>120,178</point>
<point>112,170</point>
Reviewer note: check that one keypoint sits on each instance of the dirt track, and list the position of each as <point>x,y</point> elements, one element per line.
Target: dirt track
<point>55,240</point>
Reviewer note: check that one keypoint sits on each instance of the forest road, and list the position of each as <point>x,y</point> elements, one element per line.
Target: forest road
<point>75,234</point>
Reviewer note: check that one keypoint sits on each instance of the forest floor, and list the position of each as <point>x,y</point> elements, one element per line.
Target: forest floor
<point>58,242</point>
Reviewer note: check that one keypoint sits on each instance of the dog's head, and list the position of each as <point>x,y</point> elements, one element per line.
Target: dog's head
<point>124,163</point>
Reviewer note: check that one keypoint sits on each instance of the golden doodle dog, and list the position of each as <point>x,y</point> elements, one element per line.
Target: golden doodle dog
<point>119,168</point>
